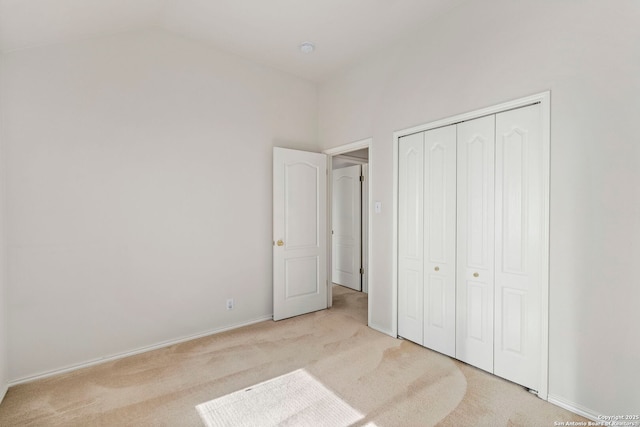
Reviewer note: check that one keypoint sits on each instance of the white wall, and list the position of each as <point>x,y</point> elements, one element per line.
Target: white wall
<point>339,163</point>
<point>483,53</point>
<point>139,192</point>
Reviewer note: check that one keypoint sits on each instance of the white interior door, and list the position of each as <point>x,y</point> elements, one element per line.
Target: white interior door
<point>411,237</point>
<point>519,245</point>
<point>475,237</point>
<point>299,232</point>
<point>347,231</point>
<point>440,240</point>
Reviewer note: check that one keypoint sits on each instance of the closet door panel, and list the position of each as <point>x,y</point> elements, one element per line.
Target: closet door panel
<point>475,242</point>
<point>519,240</point>
<point>439,244</point>
<point>411,237</point>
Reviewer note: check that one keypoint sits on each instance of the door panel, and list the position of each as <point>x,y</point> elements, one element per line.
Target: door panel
<point>299,227</point>
<point>411,237</point>
<point>477,316</point>
<point>301,205</point>
<point>437,308</point>
<point>519,245</point>
<point>346,220</point>
<point>301,276</point>
<point>475,242</point>
<point>440,239</point>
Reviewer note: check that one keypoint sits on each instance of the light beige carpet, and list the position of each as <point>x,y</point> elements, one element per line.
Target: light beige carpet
<point>391,382</point>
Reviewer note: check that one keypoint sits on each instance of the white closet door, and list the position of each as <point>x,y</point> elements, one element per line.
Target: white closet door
<point>411,237</point>
<point>519,245</point>
<point>475,237</point>
<point>440,240</point>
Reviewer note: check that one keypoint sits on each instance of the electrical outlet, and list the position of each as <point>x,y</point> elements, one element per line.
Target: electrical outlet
<point>230,304</point>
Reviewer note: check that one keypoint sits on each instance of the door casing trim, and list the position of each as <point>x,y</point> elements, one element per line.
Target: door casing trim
<point>331,152</point>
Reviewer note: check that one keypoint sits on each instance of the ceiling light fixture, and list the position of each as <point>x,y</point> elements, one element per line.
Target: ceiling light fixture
<point>307,47</point>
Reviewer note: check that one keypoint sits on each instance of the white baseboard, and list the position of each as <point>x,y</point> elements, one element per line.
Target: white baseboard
<point>133,352</point>
<point>3,391</point>
<point>574,407</point>
<point>381,330</point>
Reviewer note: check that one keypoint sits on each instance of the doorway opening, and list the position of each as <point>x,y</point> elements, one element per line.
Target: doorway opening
<point>349,218</point>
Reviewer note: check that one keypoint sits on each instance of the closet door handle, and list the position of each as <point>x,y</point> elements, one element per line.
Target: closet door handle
<point>475,274</point>
<point>437,268</point>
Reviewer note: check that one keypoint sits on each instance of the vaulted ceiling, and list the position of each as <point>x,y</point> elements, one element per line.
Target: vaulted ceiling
<point>266,31</point>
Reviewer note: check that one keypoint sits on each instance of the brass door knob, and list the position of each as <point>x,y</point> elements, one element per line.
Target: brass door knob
<point>437,268</point>
<point>280,243</point>
<point>475,274</point>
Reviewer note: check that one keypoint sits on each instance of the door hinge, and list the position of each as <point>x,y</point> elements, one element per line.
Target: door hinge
<point>361,178</point>
<point>361,270</point>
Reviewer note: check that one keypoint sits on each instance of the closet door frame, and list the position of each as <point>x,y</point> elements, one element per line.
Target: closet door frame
<point>544,99</point>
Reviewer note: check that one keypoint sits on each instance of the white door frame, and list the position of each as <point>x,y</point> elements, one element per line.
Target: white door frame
<point>365,224</point>
<point>544,98</point>
<point>331,152</point>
